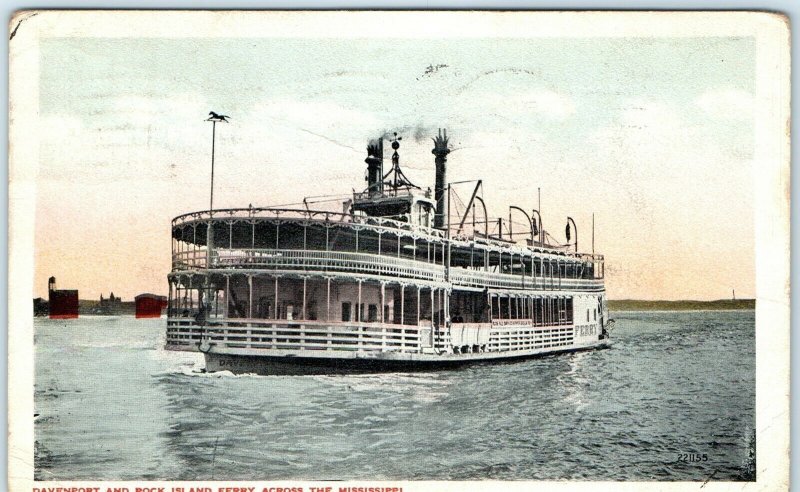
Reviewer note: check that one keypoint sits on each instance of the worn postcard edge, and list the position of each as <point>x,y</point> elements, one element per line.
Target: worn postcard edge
<point>771,173</point>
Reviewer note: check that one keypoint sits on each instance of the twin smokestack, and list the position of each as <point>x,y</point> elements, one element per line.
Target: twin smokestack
<point>375,176</point>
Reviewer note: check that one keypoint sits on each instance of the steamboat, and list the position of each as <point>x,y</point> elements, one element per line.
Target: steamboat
<point>399,279</point>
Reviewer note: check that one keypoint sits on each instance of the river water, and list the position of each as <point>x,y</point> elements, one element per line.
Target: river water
<point>114,405</point>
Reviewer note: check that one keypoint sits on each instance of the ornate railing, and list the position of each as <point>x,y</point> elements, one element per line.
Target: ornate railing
<point>319,261</point>
<point>481,279</point>
<point>185,334</point>
<point>370,264</point>
<point>320,216</point>
<point>382,224</point>
<point>231,334</point>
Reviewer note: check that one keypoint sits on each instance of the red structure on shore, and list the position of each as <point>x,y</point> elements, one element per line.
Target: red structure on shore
<point>63,303</point>
<point>150,305</point>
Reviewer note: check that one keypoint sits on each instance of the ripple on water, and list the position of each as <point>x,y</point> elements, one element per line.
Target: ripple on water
<point>673,383</point>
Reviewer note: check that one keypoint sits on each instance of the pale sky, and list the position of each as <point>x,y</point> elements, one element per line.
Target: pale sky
<point>653,136</point>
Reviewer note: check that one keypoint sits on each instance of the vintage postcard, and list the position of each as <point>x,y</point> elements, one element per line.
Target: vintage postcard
<point>397,251</point>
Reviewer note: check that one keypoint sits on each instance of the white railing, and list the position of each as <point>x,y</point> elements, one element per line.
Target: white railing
<point>297,335</point>
<point>185,334</point>
<point>481,278</point>
<point>339,261</point>
<point>319,216</point>
<point>372,264</point>
<point>187,260</point>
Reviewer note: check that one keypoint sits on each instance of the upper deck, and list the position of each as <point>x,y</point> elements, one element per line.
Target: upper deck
<point>314,242</point>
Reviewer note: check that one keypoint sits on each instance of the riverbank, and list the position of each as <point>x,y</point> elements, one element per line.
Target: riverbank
<point>718,305</point>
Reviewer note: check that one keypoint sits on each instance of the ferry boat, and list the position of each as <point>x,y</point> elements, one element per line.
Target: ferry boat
<point>401,279</point>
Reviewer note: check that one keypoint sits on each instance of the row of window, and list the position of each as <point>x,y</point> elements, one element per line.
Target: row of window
<point>543,311</point>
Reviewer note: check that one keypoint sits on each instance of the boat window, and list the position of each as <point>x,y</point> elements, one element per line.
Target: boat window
<point>373,313</point>
<point>587,315</point>
<point>569,310</point>
<point>346,311</point>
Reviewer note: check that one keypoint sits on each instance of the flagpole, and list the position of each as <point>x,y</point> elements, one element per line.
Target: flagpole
<point>213,138</point>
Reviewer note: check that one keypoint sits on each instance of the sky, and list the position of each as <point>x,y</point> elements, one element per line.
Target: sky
<point>654,136</point>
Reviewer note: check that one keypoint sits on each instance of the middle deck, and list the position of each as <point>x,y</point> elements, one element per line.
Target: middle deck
<point>351,246</point>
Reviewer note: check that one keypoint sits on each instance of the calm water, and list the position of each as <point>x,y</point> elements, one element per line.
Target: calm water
<point>114,405</point>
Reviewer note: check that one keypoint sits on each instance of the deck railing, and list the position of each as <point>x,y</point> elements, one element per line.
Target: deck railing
<point>277,215</point>
<point>482,278</point>
<point>339,261</point>
<point>323,216</point>
<point>184,333</point>
<point>371,264</point>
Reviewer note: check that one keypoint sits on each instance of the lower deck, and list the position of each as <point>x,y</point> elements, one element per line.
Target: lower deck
<point>270,347</point>
<point>333,319</point>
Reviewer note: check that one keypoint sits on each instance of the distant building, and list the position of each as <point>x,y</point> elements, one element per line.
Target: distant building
<point>40,307</point>
<point>150,305</point>
<point>63,304</point>
<point>110,306</point>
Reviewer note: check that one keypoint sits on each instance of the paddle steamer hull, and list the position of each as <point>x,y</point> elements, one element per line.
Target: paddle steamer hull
<point>282,364</point>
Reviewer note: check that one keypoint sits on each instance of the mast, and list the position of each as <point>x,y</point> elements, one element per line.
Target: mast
<point>213,139</point>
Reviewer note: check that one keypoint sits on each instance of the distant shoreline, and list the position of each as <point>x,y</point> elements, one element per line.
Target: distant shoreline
<point>718,305</point>
<point>88,307</point>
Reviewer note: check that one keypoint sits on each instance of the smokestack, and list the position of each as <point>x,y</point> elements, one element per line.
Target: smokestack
<point>374,162</point>
<point>440,150</point>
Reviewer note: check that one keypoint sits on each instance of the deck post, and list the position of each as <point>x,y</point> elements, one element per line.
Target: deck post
<point>169,300</point>
<point>275,309</point>
<point>216,302</point>
<point>178,296</point>
<point>358,306</point>
<point>419,297</point>
<point>249,296</point>
<point>194,245</point>
<point>433,310</point>
<point>227,294</point>
<point>190,298</point>
<point>303,313</point>
<point>383,299</point>
<point>328,304</point>
<point>402,303</point>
